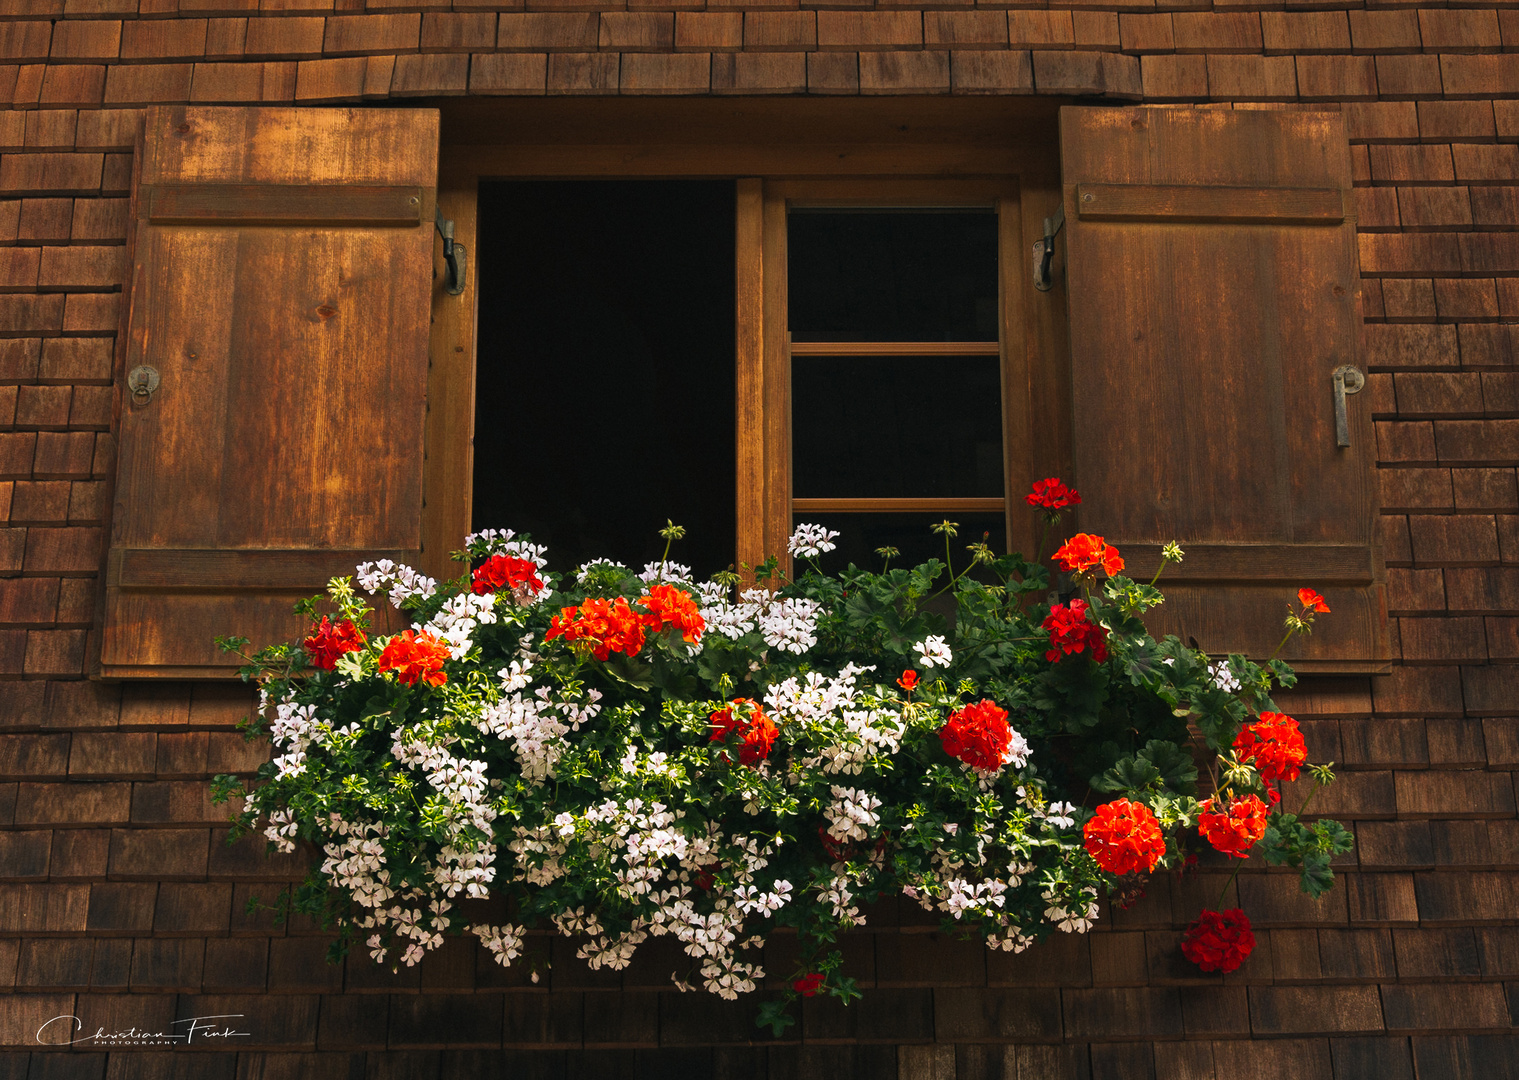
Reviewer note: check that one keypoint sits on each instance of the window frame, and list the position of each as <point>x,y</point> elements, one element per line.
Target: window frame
<point>855,152</point>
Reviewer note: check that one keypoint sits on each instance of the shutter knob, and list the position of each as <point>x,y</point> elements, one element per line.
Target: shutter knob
<point>142,380</point>
<point>1347,379</point>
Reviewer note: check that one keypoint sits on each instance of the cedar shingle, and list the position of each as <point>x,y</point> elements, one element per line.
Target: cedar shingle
<point>1428,253</point>
<point>991,72</point>
<point>1437,954</point>
<point>83,39</point>
<point>1488,75</point>
<point>44,220</point>
<point>284,38</point>
<point>173,964</point>
<point>1095,29</point>
<point>117,755</point>
<point>193,908</point>
<point>225,38</point>
<point>1466,298</point>
<point>1490,691</point>
<point>548,31</point>
<point>1141,33</point>
<point>758,72</point>
<point>51,129</point>
<point>833,74</point>
<point>79,267</point>
<point>145,84</point>
<point>430,75</point>
<point>1305,31</point>
<point>50,173</point>
<point>269,82</point>
<point>55,652</point>
<point>637,32</point>
<point>458,32</point>
<point>25,41</point>
<point>235,964</point>
<point>1217,32</point>
<point>1173,78</point>
<point>1377,121</point>
<point>1355,955</point>
<point>361,34</point>
<point>1288,1010</point>
<point>1262,78</point>
<point>1118,1012</point>
<point>1456,120</point>
<point>707,31</point>
<point>924,72</point>
<point>962,29</point>
<point>1442,393</point>
<point>780,30</point>
<point>1041,29</point>
<point>1416,489</point>
<point>1459,30</point>
<point>1384,31</point>
<point>107,129</point>
<point>851,30</point>
<point>163,39</point>
<point>1408,76</point>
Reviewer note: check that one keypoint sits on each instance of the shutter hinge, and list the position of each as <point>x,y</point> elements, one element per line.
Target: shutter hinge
<point>454,254</point>
<point>1044,250</point>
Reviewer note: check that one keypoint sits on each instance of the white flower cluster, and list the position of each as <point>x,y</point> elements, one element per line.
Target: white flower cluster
<point>504,942</point>
<point>1222,677</point>
<point>788,624</point>
<point>457,619</point>
<point>399,581</point>
<point>673,572</point>
<point>829,717</point>
<point>933,651</point>
<point>810,541</point>
<point>851,814</point>
<point>537,726</point>
<point>1072,917</point>
<point>505,542</point>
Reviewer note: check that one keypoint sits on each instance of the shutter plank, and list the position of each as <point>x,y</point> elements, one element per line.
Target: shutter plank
<point>281,287</point>
<point>1212,279</point>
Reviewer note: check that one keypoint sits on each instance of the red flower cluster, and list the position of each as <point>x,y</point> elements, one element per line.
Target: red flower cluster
<point>978,735</point>
<point>1274,745</point>
<point>330,640</point>
<point>1071,631</point>
<point>605,627</point>
<point>415,658</point>
<point>506,571</point>
<point>1218,940</point>
<point>669,606</point>
<point>1085,552</point>
<point>1052,495</point>
<point>756,733</point>
<point>1124,836</point>
<point>909,680</point>
<point>1233,829</point>
<point>808,984</point>
<point>1312,601</point>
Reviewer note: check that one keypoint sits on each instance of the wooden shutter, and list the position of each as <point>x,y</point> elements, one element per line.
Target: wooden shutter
<point>281,282</point>
<point>1213,289</point>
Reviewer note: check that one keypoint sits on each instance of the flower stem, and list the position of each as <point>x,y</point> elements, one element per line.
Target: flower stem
<point>1238,864</point>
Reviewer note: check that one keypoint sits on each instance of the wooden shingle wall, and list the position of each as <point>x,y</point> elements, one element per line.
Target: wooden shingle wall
<point>120,904</point>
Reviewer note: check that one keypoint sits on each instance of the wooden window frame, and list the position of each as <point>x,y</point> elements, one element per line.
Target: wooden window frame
<point>1000,152</point>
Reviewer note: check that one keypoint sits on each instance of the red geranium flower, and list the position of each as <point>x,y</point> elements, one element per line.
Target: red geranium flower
<point>1233,829</point>
<point>669,606</point>
<point>1071,631</point>
<point>808,984</point>
<point>1311,601</point>
<point>1084,552</point>
<point>330,640</point>
<point>506,571</point>
<point>978,735</point>
<point>1218,940</point>
<point>908,681</point>
<point>1274,745</point>
<point>756,732</point>
<point>1051,495</point>
<point>1123,837</point>
<point>604,627</point>
<point>415,658</point>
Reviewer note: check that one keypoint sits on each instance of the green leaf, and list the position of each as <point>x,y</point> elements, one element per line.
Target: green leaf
<point>776,1016</point>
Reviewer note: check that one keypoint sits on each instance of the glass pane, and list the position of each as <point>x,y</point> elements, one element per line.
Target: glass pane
<point>892,275</point>
<point>896,426</point>
<point>605,384</point>
<point>861,534</point>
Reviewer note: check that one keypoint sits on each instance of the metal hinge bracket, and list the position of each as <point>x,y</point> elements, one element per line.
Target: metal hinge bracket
<point>454,254</point>
<point>1044,250</point>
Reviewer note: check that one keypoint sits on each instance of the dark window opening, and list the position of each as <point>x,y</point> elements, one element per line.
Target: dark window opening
<point>605,381</point>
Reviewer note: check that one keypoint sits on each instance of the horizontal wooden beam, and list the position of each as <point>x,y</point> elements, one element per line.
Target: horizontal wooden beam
<point>281,204</point>
<point>895,348</point>
<point>897,506</point>
<point>1200,203</point>
<point>295,570</point>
